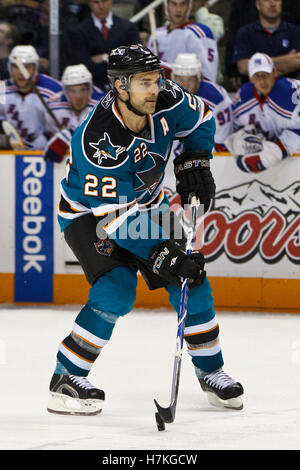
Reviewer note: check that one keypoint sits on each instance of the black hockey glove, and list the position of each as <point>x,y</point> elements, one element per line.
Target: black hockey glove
<point>194,176</point>
<point>169,261</point>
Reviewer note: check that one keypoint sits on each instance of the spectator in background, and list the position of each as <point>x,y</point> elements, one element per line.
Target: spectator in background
<point>97,35</point>
<point>9,37</point>
<point>202,15</point>
<point>266,111</point>
<point>272,36</point>
<point>242,12</point>
<point>20,104</point>
<point>70,109</point>
<point>186,71</point>
<point>41,35</point>
<point>183,35</point>
<point>24,15</point>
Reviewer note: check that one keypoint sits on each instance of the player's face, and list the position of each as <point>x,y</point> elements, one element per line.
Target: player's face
<point>190,83</point>
<point>78,96</point>
<point>264,82</point>
<point>4,33</point>
<point>100,8</point>
<point>270,9</point>
<point>20,81</point>
<point>144,88</point>
<point>177,11</point>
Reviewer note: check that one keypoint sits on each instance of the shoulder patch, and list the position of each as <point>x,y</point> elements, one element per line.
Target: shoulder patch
<point>210,91</point>
<point>108,99</point>
<point>170,96</point>
<point>201,30</point>
<point>103,153</point>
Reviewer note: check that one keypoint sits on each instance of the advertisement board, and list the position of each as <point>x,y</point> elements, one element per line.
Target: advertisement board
<point>250,236</point>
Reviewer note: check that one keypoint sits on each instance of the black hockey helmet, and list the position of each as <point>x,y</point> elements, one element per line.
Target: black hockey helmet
<point>128,60</point>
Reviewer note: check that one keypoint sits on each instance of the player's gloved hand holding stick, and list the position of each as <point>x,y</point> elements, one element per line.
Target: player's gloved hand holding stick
<point>193,175</point>
<point>189,266</point>
<point>169,261</point>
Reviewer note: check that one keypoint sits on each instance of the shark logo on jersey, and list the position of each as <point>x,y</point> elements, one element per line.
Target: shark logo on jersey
<point>108,155</point>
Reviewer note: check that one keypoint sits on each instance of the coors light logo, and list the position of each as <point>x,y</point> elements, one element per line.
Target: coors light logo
<point>252,219</point>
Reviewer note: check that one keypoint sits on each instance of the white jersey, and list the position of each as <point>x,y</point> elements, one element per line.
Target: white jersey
<point>26,112</point>
<point>277,115</point>
<point>218,100</point>
<point>190,37</point>
<point>66,116</point>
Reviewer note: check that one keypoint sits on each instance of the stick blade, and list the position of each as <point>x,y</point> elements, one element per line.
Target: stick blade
<point>166,414</point>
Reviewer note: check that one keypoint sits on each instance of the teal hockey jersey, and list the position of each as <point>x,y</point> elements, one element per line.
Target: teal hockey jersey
<point>118,175</point>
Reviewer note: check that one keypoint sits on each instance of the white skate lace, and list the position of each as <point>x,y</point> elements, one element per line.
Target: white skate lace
<point>81,382</point>
<point>219,379</point>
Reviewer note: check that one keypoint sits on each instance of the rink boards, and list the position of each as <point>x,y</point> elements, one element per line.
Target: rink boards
<point>250,236</point>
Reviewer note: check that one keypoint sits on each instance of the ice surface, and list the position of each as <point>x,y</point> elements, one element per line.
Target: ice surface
<point>261,350</point>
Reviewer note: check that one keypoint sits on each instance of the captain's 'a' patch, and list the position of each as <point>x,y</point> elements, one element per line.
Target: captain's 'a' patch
<point>102,153</point>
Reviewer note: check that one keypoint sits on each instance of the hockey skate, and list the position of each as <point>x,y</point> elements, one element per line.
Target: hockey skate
<point>73,395</point>
<point>222,390</point>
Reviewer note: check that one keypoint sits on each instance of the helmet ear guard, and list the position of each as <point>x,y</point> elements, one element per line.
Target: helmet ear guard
<point>125,83</point>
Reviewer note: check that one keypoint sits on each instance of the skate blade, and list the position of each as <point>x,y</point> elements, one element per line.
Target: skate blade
<point>65,405</point>
<point>232,404</point>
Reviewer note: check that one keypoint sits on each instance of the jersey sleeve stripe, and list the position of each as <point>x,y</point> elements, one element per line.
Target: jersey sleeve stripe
<point>280,110</point>
<point>116,223</point>
<point>196,30</point>
<point>75,206</point>
<point>105,209</point>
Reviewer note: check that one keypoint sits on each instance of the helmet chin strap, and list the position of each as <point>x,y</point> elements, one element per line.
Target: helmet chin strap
<point>130,107</point>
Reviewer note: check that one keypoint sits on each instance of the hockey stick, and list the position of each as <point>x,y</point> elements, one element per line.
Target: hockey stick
<point>26,75</point>
<point>167,415</point>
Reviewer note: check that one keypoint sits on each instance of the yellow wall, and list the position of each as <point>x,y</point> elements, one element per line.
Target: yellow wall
<point>229,293</point>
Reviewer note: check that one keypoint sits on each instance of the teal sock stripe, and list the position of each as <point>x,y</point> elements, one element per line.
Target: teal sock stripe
<point>208,363</point>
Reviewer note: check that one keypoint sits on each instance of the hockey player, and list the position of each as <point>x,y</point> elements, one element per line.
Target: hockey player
<point>266,111</point>
<point>70,109</point>
<point>114,184</point>
<point>182,35</point>
<point>186,71</point>
<point>19,103</point>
